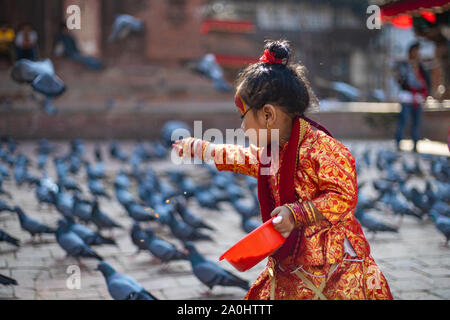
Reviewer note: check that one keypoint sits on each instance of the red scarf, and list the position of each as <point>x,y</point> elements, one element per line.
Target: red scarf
<point>286,185</point>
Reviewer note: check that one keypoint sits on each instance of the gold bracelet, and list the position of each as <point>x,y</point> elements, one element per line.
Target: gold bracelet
<point>293,213</point>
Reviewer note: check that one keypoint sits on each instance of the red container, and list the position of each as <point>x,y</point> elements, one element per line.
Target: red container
<point>256,246</point>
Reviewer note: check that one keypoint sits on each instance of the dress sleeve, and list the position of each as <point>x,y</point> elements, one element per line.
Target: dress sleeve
<point>336,179</point>
<point>236,158</point>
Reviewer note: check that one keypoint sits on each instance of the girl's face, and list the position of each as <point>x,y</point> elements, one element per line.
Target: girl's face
<point>254,123</point>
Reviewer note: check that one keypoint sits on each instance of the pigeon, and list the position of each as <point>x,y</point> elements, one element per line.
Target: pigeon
<point>206,199</point>
<point>372,224</point>
<point>116,152</point>
<point>139,213</point>
<point>42,78</point>
<point>121,286</point>
<point>209,67</point>
<point>248,225</point>
<point>97,188</point>
<point>123,196</point>
<point>32,226</point>
<point>4,171</point>
<point>67,183</point>
<point>171,128</point>
<point>73,244</point>
<point>442,223</point>
<point>9,239</point>
<point>77,147</point>
<point>399,206</point>
<point>441,208</point>
<point>186,185</point>
<point>101,220</point>
<point>161,249</point>
<point>159,150</point>
<point>139,237</point>
<point>90,237</point>
<point>6,281</point>
<point>81,209</point>
<point>122,181</point>
<point>189,217</point>
<point>46,190</point>
<point>245,209</point>
<point>63,202</point>
<point>185,232</point>
<point>210,273</point>
<point>123,25</point>
<point>5,207</point>
<point>96,171</point>
<point>42,160</point>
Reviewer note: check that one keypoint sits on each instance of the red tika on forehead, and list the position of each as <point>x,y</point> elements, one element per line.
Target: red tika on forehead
<point>240,104</point>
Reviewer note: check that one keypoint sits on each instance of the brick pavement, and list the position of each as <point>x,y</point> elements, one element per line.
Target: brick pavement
<point>414,261</point>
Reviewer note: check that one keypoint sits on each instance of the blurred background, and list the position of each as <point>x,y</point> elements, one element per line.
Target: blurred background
<point>156,67</point>
<point>90,92</point>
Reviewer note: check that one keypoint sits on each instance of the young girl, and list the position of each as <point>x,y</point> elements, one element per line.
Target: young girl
<point>313,189</point>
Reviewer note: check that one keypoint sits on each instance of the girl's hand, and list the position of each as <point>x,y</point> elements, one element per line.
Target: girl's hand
<point>192,148</point>
<point>178,146</point>
<point>184,147</point>
<point>287,222</point>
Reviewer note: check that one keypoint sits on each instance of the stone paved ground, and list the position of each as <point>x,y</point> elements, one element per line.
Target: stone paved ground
<point>414,261</point>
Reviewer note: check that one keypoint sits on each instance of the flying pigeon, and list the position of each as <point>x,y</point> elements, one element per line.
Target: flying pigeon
<point>123,25</point>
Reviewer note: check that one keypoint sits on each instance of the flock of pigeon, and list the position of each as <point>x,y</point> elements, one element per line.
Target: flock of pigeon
<point>395,190</point>
<point>162,204</point>
<point>83,226</point>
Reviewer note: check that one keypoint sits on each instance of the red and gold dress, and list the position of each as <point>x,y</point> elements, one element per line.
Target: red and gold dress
<point>332,258</point>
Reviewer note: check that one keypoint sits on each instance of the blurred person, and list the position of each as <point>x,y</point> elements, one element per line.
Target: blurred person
<point>7,35</point>
<point>26,43</point>
<point>66,46</point>
<point>414,83</point>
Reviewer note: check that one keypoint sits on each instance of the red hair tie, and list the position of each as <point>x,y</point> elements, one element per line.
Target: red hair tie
<point>269,57</point>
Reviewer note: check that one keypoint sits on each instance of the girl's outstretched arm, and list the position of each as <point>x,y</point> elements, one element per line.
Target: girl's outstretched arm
<point>227,157</point>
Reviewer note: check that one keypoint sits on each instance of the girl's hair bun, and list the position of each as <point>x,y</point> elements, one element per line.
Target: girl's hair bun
<point>281,49</point>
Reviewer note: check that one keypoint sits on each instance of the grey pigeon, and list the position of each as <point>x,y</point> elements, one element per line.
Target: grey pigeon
<point>5,207</point>
<point>7,281</point>
<point>188,216</point>
<point>123,25</point>
<point>210,273</point>
<point>248,224</point>
<point>73,245</point>
<point>122,286</point>
<point>31,225</point>
<point>7,238</point>
<point>139,213</point>
<point>185,232</point>
<point>101,220</point>
<point>373,224</point>
<point>163,250</point>
<point>90,237</point>
<point>97,188</point>
<point>442,223</point>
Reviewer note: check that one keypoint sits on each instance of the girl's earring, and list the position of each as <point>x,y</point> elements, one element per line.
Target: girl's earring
<point>267,125</point>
